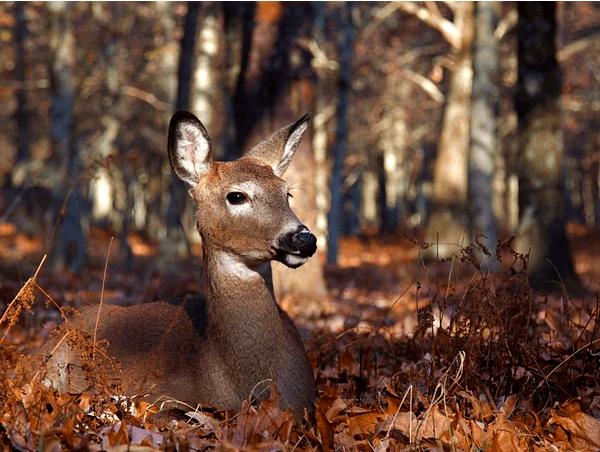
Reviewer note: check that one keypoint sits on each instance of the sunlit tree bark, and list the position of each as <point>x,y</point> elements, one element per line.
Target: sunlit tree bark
<point>393,141</point>
<point>483,149</point>
<point>205,96</point>
<point>277,89</point>
<point>447,225</point>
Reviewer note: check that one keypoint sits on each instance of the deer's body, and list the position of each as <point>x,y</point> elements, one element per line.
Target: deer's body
<point>219,350</point>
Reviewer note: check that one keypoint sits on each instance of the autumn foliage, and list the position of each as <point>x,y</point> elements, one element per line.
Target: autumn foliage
<point>411,354</point>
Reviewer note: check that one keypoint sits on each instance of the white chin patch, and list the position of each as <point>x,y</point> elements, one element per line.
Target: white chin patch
<point>293,260</point>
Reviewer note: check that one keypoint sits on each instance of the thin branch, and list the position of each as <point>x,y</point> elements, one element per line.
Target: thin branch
<point>577,46</point>
<point>323,116</point>
<point>102,291</point>
<point>425,84</point>
<point>379,16</point>
<point>30,282</point>
<point>506,24</point>
<point>145,96</point>
<point>435,20</point>
<point>319,59</point>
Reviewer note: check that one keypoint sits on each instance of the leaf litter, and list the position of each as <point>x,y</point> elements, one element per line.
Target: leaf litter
<point>407,355</point>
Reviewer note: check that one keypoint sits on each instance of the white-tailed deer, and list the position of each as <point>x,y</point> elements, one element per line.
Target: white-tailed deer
<point>216,351</point>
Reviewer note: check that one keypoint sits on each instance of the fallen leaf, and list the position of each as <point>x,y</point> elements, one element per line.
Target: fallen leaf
<point>335,409</point>
<point>364,424</point>
<point>584,430</point>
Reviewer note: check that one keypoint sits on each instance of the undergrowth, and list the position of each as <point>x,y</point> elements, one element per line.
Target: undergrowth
<point>489,365</point>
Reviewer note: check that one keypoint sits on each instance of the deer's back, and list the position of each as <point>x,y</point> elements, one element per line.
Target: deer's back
<point>163,350</point>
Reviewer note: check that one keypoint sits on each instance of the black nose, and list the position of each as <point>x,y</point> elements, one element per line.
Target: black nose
<point>302,240</point>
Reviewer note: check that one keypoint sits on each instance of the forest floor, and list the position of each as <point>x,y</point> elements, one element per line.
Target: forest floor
<point>407,354</point>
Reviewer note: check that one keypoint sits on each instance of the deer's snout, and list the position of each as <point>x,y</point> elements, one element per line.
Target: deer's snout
<point>301,241</point>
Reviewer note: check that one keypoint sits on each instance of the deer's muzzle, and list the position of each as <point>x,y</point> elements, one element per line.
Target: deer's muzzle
<point>301,242</point>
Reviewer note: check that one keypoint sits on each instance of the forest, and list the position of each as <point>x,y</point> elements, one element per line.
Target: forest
<point>449,169</point>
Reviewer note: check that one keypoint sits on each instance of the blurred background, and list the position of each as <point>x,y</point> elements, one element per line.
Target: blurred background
<point>447,123</point>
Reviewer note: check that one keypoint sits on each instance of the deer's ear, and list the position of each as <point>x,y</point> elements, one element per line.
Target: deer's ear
<point>189,147</point>
<point>278,149</point>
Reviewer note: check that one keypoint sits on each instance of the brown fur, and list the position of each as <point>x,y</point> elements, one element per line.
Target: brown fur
<point>219,350</point>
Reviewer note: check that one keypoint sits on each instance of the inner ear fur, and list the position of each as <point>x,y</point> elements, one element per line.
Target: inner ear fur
<point>189,147</point>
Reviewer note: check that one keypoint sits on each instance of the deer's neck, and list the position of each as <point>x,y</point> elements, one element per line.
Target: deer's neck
<point>242,316</point>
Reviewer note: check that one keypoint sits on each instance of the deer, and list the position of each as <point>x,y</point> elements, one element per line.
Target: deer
<point>215,351</point>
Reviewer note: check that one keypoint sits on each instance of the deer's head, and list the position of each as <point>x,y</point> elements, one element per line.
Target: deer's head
<point>243,205</point>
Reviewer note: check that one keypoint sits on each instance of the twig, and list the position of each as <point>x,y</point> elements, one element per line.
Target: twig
<point>49,356</point>
<point>564,361</point>
<point>506,24</point>
<point>39,267</point>
<point>51,300</point>
<point>145,96</point>
<point>440,391</point>
<point>435,20</point>
<point>30,281</point>
<point>408,390</point>
<point>576,47</point>
<point>425,84</point>
<point>298,442</point>
<point>404,292</point>
<point>101,295</point>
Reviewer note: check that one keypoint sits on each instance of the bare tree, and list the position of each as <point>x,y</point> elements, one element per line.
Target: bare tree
<point>69,248</point>
<point>483,149</point>
<point>239,27</point>
<point>21,114</point>
<point>205,95</point>
<point>277,89</point>
<point>447,223</point>
<point>175,241</point>
<point>341,135</point>
<point>537,101</point>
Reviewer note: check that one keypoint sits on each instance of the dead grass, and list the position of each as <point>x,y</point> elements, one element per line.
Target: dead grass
<point>441,356</point>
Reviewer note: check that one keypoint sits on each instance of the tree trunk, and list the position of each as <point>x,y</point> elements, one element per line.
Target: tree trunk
<point>69,247</point>
<point>175,243</point>
<point>319,134</point>
<point>111,189</point>
<point>447,224</point>
<point>341,134</point>
<point>393,141</point>
<point>537,101</point>
<point>205,96</point>
<point>21,115</point>
<point>276,90</point>
<point>483,149</point>
<point>239,32</point>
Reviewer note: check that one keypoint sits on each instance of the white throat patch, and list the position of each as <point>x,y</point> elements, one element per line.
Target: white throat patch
<point>234,266</point>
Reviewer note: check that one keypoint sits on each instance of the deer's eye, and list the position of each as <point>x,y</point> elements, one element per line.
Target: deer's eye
<point>236,198</point>
<point>289,195</point>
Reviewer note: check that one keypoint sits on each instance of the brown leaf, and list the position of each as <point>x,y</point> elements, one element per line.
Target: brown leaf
<point>325,429</point>
<point>405,422</point>
<point>346,362</point>
<point>364,424</point>
<point>480,408</point>
<point>509,405</point>
<point>435,425</point>
<point>584,430</point>
<point>68,435</point>
<point>504,435</point>
<point>335,409</point>
<point>118,436</point>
